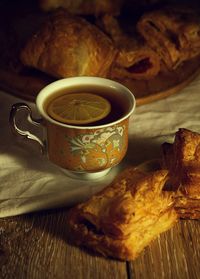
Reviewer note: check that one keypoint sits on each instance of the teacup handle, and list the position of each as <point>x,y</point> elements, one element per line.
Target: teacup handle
<point>26,134</point>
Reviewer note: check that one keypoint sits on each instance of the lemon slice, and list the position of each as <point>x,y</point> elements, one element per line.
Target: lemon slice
<point>79,108</point>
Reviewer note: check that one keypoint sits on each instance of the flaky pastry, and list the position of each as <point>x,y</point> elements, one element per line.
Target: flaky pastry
<point>182,159</point>
<point>135,59</point>
<point>125,217</point>
<point>173,32</point>
<point>68,46</point>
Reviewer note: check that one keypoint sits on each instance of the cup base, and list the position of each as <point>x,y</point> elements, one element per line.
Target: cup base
<point>86,175</point>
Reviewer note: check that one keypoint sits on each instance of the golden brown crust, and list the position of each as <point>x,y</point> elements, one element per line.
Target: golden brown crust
<point>135,59</point>
<point>125,217</point>
<point>182,158</point>
<point>183,161</point>
<point>84,7</point>
<point>188,213</point>
<point>173,33</point>
<point>186,206</point>
<point>68,46</point>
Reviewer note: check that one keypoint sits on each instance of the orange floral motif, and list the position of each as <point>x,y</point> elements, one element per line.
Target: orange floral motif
<point>93,156</point>
<point>99,149</point>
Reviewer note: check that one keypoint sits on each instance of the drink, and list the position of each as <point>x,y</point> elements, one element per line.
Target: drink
<point>85,151</point>
<point>111,96</point>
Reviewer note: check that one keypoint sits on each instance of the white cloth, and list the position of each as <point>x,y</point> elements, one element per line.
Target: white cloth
<point>29,182</point>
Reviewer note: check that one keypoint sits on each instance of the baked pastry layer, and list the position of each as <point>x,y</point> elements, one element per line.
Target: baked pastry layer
<point>134,59</point>
<point>173,32</point>
<point>125,217</point>
<point>182,159</point>
<point>67,46</point>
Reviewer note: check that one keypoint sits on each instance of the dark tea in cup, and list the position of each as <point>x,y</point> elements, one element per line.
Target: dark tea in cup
<point>75,103</point>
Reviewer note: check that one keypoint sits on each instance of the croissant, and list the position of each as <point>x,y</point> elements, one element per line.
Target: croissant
<point>182,159</point>
<point>68,46</point>
<point>135,59</point>
<point>84,7</point>
<point>125,217</point>
<point>173,33</point>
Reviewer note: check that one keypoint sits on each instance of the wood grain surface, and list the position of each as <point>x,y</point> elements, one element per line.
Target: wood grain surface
<point>36,246</point>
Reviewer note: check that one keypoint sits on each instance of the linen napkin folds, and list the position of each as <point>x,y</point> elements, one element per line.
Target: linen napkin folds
<point>29,182</point>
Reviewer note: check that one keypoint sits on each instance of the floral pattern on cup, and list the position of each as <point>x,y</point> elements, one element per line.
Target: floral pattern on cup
<point>99,149</point>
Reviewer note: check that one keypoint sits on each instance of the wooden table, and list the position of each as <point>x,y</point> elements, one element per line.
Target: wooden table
<point>36,246</point>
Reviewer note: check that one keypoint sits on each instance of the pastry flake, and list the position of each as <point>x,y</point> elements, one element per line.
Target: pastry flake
<point>67,46</point>
<point>125,217</point>
<point>135,59</point>
<point>173,32</point>
<point>182,159</point>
